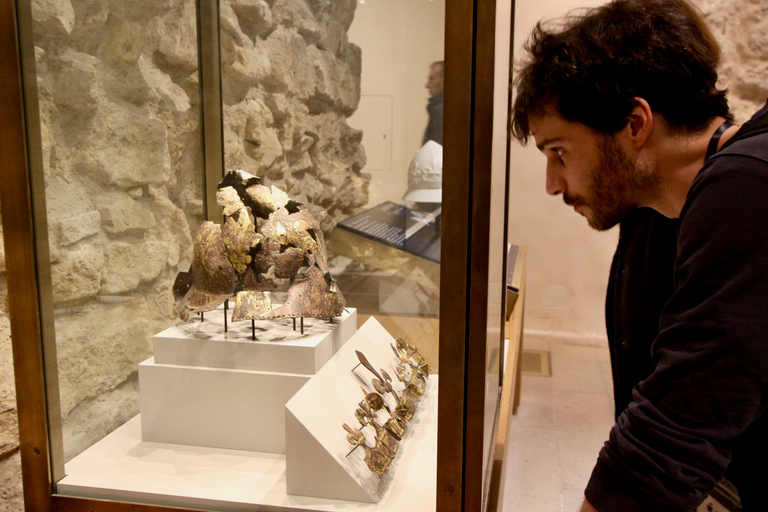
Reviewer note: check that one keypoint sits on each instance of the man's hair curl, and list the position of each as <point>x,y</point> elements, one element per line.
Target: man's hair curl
<point>591,66</point>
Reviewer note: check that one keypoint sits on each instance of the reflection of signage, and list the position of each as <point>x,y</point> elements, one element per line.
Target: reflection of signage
<point>400,227</point>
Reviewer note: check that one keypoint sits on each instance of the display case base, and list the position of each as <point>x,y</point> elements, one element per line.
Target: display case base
<point>122,467</point>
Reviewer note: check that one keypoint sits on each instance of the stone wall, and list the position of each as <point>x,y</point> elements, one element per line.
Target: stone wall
<point>290,80</point>
<point>741,27</point>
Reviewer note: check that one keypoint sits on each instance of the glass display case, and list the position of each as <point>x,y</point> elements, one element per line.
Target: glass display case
<point>243,272</point>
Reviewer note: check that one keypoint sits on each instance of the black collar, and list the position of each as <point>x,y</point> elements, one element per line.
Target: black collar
<point>712,147</point>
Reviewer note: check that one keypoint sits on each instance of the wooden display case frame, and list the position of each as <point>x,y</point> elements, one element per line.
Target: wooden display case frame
<point>469,100</point>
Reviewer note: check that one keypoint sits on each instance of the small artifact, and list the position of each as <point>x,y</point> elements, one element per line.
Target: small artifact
<point>269,253</point>
<point>366,417</point>
<point>410,355</point>
<point>364,361</point>
<point>374,402</point>
<point>413,380</point>
<point>384,387</point>
<point>377,458</point>
<point>406,407</point>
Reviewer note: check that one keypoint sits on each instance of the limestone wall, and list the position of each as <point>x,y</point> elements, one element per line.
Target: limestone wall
<point>290,80</point>
<point>10,461</point>
<point>741,27</point>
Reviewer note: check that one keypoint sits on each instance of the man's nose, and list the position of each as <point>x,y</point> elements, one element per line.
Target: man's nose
<point>555,184</point>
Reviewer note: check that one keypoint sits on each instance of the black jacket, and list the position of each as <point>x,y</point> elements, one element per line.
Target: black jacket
<point>640,283</point>
<point>702,410</point>
<point>434,129</point>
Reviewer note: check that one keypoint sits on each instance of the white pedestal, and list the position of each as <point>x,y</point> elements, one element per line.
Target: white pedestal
<point>215,407</point>
<point>277,348</point>
<point>207,388</point>
<point>316,445</point>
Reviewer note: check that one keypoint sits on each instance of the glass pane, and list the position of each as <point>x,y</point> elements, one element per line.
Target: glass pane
<point>496,351</point>
<point>389,254</point>
<point>120,125</point>
<point>336,107</point>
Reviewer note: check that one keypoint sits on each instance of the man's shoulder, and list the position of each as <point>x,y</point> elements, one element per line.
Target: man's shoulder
<point>739,170</point>
<point>753,146</point>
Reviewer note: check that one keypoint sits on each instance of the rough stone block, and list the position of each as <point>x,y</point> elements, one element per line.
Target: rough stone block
<point>77,272</point>
<point>77,83</point>
<point>72,229</point>
<point>127,147</point>
<point>53,17</point>
<point>162,88</point>
<point>254,16</point>
<point>290,64</point>
<point>99,347</point>
<point>127,264</point>
<point>125,215</point>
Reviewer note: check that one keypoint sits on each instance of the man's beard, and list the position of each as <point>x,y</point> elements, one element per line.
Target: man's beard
<point>612,186</point>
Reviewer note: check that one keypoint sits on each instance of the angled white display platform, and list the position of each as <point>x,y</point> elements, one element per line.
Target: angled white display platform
<point>316,445</point>
<point>208,388</point>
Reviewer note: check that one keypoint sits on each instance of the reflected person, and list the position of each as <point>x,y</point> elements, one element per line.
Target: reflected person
<point>434,85</point>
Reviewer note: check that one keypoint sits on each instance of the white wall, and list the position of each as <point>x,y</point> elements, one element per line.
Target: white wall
<point>568,263</point>
<point>399,40</point>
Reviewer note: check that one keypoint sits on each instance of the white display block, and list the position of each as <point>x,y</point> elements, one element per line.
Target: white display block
<point>215,407</point>
<point>316,447</point>
<point>277,348</point>
<point>205,387</point>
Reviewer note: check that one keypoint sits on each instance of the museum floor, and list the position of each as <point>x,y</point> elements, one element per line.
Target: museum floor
<point>559,428</point>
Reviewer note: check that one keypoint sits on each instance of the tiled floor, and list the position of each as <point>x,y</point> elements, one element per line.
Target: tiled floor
<point>560,426</point>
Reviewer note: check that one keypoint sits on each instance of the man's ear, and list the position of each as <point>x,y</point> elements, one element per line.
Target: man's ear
<point>639,123</point>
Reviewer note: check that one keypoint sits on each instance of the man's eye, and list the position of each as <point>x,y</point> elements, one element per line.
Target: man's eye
<point>559,152</point>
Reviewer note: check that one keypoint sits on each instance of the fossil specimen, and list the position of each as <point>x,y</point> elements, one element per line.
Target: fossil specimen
<point>269,254</point>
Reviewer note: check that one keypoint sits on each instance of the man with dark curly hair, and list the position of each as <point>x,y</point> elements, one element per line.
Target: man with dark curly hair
<point>623,101</point>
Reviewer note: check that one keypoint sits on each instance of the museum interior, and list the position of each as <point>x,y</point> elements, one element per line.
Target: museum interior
<point>282,255</point>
